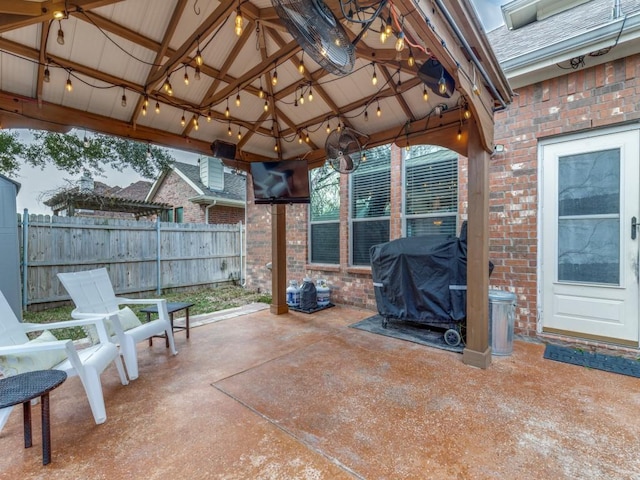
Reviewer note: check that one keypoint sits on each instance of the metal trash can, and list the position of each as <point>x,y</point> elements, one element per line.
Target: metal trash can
<point>502,312</point>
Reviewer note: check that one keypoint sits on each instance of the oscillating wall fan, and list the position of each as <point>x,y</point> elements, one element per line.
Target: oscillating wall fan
<point>318,32</point>
<point>343,150</point>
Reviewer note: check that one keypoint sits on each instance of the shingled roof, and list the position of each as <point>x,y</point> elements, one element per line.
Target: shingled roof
<point>234,184</point>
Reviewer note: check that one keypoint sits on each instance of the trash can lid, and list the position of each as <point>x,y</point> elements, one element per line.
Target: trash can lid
<point>501,296</point>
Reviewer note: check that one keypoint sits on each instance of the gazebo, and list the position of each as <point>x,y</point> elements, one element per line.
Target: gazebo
<point>270,77</point>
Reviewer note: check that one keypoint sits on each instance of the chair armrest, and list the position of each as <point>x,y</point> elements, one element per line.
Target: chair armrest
<point>77,322</point>
<point>35,347</point>
<point>161,304</point>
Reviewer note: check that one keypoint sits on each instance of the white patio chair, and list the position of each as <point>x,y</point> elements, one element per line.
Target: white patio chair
<point>19,354</point>
<point>92,293</point>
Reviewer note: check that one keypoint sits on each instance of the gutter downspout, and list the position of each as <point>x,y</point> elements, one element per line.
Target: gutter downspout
<point>206,211</point>
<point>471,54</point>
<point>243,281</point>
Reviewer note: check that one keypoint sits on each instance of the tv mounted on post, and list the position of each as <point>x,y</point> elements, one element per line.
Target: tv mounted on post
<point>285,181</point>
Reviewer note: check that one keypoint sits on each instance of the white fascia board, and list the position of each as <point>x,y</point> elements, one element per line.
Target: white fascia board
<point>209,199</point>
<point>590,41</point>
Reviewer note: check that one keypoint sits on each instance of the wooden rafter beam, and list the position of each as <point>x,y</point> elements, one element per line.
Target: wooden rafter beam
<point>398,92</point>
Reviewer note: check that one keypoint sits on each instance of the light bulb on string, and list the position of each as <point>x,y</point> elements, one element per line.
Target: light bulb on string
<point>183,121</point>
<point>227,113</point>
<point>301,97</point>
<point>363,157</point>
<point>310,96</point>
<point>366,116</point>
<point>239,22</point>
<point>144,110</point>
<point>60,38</point>
<point>442,85</point>
<point>328,128</point>
<point>266,106</point>
<point>209,116</point>
<point>199,60</point>
<point>186,76</point>
<point>306,138</point>
<point>425,94</point>
<point>411,61</point>
<point>239,134</point>
<point>238,98</point>
<point>123,100</point>
<point>400,42</point>
<point>261,92</point>
<point>196,124</point>
<point>197,72</point>
<point>467,112</point>
<point>459,134</point>
<point>374,78</point>
<point>275,147</point>
<point>379,111</point>
<point>300,138</point>
<point>229,132</point>
<point>69,85</point>
<point>274,77</point>
<point>47,75</point>
<point>157,107</point>
<point>388,29</point>
<point>301,64</point>
<point>383,33</point>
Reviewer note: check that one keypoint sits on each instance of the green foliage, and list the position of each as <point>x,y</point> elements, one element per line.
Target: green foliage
<point>10,151</point>
<point>325,193</point>
<point>70,153</point>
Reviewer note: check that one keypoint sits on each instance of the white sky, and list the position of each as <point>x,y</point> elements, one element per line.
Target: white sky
<point>35,181</point>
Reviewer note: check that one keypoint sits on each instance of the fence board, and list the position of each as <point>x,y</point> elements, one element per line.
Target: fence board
<point>190,254</point>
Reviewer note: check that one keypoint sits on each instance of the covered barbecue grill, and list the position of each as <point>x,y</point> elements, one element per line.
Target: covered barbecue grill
<point>423,280</point>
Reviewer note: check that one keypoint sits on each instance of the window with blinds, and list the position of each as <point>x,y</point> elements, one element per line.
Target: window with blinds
<point>324,216</point>
<point>431,191</point>
<point>370,198</point>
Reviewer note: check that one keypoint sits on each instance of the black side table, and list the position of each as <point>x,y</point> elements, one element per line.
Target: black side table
<point>172,307</point>
<point>23,388</point>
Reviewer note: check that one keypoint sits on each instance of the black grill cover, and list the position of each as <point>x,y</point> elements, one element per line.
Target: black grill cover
<point>421,279</point>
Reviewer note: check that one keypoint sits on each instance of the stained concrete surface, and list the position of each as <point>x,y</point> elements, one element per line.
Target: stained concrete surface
<point>300,396</point>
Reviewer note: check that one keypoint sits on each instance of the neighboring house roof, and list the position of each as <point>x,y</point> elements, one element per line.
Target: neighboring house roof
<point>105,198</point>
<point>233,193</point>
<point>585,35</point>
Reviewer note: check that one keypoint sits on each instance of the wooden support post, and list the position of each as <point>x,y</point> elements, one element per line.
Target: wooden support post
<point>477,352</point>
<point>278,259</point>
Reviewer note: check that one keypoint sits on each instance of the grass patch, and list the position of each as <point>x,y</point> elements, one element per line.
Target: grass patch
<point>205,301</point>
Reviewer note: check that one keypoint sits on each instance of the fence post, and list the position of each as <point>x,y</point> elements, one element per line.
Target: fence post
<point>158,259</point>
<point>25,257</point>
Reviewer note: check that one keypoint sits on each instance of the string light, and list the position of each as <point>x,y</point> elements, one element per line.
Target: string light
<point>209,116</point>
<point>47,75</point>
<point>400,42</point>
<point>157,107</point>
<point>300,138</point>
<point>229,132</point>
<point>59,14</point>
<point>275,147</point>
<point>328,128</point>
<point>467,112</point>
<point>238,98</point>
<point>379,111</point>
<point>183,120</point>
<point>199,60</point>
<point>145,103</point>
<point>301,64</point>
<point>459,133</point>
<point>266,106</point>
<point>425,94</point>
<point>144,110</point>
<point>60,38</point>
<point>411,61</point>
<point>226,110</point>
<point>167,85</point>
<point>295,101</point>
<point>366,116</point>
<point>239,22</point>
<point>69,84</point>
<point>274,78</point>
<point>388,28</point>
<point>442,85</point>
<point>301,97</point>
<point>306,138</point>
<point>186,76</point>
<point>123,101</point>
<point>196,124</point>
<point>383,33</point>
<point>239,134</point>
<point>310,96</point>
<point>363,157</point>
<point>374,78</point>
<point>197,72</point>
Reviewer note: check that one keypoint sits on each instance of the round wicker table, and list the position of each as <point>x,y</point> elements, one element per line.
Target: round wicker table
<point>23,388</point>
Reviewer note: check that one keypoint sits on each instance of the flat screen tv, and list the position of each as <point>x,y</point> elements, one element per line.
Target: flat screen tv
<point>285,181</point>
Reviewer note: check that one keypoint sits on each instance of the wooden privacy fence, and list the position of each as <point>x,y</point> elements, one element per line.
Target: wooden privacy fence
<point>141,256</point>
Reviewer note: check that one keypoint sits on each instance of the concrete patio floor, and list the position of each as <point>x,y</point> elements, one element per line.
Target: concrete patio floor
<point>297,396</point>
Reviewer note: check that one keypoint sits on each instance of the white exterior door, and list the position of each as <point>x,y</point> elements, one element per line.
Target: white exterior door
<point>589,246</point>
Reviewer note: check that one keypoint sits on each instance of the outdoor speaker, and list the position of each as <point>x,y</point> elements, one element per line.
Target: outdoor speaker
<point>223,150</point>
<point>433,73</point>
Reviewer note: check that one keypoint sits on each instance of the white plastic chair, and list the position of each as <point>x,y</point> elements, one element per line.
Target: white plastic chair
<point>18,354</point>
<point>92,293</point>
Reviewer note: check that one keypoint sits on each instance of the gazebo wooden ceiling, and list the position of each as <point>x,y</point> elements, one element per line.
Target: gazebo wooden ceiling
<point>119,53</point>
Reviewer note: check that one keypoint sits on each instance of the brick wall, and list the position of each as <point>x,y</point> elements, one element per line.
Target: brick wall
<point>589,98</point>
<point>176,192</point>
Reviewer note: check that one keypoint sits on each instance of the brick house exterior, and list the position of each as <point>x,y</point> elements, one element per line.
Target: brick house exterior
<point>206,192</point>
<point>563,88</point>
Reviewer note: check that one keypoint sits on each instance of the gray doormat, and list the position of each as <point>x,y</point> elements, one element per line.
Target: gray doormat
<point>609,363</point>
<point>409,331</point>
